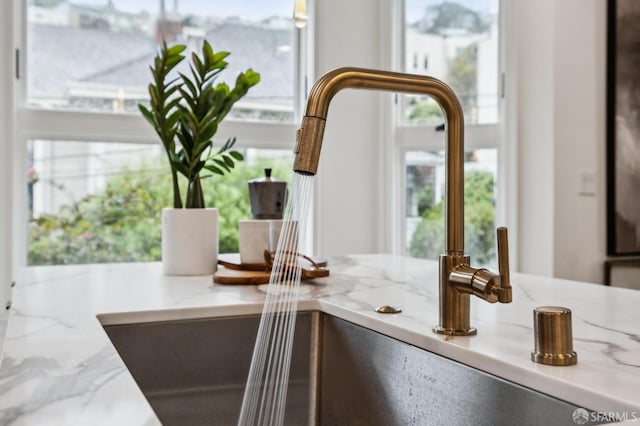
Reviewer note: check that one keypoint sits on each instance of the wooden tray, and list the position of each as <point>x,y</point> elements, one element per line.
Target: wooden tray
<point>232,272</point>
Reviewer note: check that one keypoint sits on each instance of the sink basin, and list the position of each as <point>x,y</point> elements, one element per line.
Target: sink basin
<point>193,372</point>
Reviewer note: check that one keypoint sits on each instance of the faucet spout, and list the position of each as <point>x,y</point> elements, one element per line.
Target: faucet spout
<point>458,280</point>
<point>311,133</point>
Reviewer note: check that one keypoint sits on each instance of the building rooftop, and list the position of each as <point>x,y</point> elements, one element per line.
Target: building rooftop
<point>60,56</point>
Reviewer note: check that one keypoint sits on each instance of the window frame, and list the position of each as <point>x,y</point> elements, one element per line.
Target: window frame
<point>49,124</point>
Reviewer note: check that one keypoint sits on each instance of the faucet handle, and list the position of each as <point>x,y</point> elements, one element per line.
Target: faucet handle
<point>504,291</point>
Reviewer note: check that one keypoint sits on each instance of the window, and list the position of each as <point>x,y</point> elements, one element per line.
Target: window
<point>95,202</point>
<point>424,198</point>
<point>459,43</point>
<point>93,55</point>
<point>94,168</point>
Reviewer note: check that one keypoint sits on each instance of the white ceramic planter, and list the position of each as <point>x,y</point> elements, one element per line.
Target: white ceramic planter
<point>189,241</point>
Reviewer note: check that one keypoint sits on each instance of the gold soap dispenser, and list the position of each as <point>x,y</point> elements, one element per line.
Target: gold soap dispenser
<point>553,337</point>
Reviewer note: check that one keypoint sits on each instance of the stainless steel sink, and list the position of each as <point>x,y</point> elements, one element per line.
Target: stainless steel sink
<point>193,373</point>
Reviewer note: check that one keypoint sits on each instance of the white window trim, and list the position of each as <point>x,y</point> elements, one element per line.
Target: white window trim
<point>37,123</point>
<point>118,128</point>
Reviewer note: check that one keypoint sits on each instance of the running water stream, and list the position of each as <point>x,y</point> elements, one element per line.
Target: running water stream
<point>266,390</point>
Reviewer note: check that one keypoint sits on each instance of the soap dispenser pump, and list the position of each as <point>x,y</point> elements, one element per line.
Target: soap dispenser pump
<point>267,196</point>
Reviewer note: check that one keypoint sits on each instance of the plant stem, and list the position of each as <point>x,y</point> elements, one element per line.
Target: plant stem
<point>195,197</point>
<point>177,200</point>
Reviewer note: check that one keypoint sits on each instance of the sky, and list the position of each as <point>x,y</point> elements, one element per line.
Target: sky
<point>248,9</point>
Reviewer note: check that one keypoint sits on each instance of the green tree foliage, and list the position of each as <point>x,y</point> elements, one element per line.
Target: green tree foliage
<point>424,111</point>
<point>479,227</point>
<point>122,223</point>
<point>425,198</point>
<point>463,70</point>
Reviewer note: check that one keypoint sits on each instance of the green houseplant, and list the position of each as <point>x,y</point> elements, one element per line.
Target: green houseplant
<point>189,108</point>
<point>185,111</point>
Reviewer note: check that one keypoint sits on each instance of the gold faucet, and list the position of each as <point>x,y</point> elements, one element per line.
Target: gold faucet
<point>458,280</point>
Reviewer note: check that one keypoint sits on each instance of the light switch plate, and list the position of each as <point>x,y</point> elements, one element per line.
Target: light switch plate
<point>587,183</point>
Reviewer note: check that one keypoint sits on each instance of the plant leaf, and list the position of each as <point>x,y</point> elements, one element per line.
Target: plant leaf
<point>190,85</point>
<point>170,106</point>
<point>198,64</point>
<point>214,169</point>
<point>218,57</point>
<point>172,62</point>
<point>172,120</point>
<point>228,161</point>
<point>207,54</point>
<point>153,92</point>
<point>208,131</point>
<point>175,49</point>
<point>200,149</point>
<point>147,115</point>
<point>222,164</point>
<point>236,155</point>
<point>177,165</point>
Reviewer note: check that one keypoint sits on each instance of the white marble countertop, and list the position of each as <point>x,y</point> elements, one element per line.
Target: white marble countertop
<point>59,367</point>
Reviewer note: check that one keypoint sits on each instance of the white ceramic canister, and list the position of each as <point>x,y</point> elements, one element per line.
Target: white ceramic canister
<point>189,241</point>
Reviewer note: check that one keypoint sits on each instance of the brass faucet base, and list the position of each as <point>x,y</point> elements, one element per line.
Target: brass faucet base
<point>453,332</point>
<point>570,358</point>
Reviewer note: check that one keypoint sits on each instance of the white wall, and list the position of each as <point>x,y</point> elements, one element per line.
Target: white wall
<point>6,142</point>
<point>535,34</point>
<point>562,119</point>
<point>580,138</point>
<point>348,193</point>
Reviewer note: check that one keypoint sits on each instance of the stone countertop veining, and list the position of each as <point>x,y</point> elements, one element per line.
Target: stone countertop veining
<point>59,367</point>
